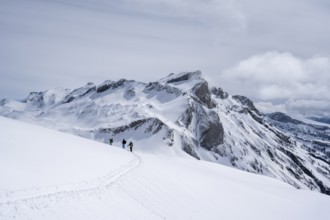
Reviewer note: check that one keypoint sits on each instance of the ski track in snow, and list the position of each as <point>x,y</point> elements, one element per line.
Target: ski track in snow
<point>90,187</point>
<point>152,211</point>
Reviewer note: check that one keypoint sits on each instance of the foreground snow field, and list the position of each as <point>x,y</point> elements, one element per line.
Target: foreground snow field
<point>46,174</point>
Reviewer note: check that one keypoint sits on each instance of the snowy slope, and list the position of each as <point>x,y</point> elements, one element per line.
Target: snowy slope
<point>179,115</point>
<point>90,180</point>
<point>33,157</point>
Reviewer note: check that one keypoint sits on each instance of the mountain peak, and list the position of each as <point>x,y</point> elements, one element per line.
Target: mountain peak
<point>281,117</point>
<point>181,77</point>
<point>246,101</point>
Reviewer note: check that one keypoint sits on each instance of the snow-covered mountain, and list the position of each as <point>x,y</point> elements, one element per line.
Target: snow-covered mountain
<point>322,119</point>
<point>315,137</point>
<point>46,174</point>
<point>183,113</point>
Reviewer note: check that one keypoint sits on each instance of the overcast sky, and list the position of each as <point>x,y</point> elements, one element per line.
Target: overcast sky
<point>275,52</point>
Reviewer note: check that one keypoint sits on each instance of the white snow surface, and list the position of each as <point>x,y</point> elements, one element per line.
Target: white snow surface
<point>47,174</point>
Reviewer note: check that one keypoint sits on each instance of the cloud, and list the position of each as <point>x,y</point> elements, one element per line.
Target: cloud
<point>268,67</point>
<point>305,107</point>
<point>275,75</point>
<point>219,14</point>
<point>284,82</point>
<point>69,42</point>
<point>269,107</point>
<point>308,106</point>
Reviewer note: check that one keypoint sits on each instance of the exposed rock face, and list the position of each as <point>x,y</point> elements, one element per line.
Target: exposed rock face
<point>183,76</point>
<point>157,87</point>
<point>3,101</point>
<point>35,98</point>
<point>110,85</point>
<point>219,93</point>
<point>281,117</point>
<point>247,102</point>
<point>205,125</point>
<point>163,93</point>
<point>186,118</point>
<point>189,146</point>
<point>150,126</point>
<point>80,92</point>
<point>202,92</point>
<point>169,137</point>
<point>211,132</point>
<point>130,93</point>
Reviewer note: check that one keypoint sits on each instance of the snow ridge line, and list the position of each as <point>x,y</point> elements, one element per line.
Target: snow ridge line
<point>93,186</point>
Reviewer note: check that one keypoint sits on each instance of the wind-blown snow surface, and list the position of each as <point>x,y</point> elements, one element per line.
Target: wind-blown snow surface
<point>46,174</point>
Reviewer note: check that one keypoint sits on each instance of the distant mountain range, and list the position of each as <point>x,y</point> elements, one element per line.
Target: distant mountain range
<point>321,119</point>
<point>183,113</point>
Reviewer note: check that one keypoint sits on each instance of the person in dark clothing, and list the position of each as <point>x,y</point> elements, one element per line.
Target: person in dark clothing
<point>130,146</point>
<point>110,141</point>
<point>123,142</point>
